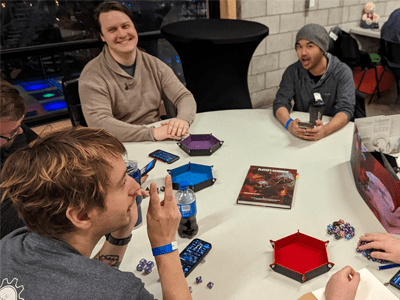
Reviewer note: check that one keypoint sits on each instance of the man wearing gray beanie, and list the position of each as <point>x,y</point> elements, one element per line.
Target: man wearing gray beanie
<point>316,71</point>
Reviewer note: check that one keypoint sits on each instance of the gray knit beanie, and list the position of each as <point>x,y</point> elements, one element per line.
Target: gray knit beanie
<point>316,34</point>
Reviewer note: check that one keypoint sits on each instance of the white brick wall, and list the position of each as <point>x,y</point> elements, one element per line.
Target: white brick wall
<point>279,7</point>
<point>284,18</point>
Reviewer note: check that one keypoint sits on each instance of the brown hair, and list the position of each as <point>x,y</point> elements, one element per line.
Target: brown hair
<point>12,105</point>
<point>64,169</point>
<point>107,7</point>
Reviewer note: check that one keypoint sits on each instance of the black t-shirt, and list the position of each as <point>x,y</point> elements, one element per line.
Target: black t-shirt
<point>315,78</point>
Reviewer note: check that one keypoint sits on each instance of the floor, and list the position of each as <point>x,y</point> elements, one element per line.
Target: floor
<point>386,105</point>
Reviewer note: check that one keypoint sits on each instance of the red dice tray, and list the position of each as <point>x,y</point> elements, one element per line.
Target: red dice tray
<point>300,257</point>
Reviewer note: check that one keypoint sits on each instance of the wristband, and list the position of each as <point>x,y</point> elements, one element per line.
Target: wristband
<point>287,123</point>
<point>165,249</point>
<point>118,242</point>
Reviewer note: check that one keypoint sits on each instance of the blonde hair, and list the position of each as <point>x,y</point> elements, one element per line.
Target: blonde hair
<point>68,168</point>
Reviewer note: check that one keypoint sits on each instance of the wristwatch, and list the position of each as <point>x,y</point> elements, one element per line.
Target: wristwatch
<point>118,242</point>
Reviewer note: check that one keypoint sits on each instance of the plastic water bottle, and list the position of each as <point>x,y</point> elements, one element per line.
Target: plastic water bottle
<point>186,200</point>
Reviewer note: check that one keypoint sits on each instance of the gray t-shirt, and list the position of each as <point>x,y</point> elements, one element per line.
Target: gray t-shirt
<point>36,267</point>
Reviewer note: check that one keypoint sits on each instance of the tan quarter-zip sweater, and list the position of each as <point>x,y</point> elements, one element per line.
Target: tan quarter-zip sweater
<point>123,105</point>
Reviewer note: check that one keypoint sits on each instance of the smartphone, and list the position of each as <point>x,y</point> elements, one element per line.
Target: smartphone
<point>395,281</point>
<point>305,125</point>
<point>147,168</point>
<point>164,156</point>
<point>193,254</point>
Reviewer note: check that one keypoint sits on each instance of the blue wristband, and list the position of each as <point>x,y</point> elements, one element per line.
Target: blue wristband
<point>165,249</point>
<point>287,123</point>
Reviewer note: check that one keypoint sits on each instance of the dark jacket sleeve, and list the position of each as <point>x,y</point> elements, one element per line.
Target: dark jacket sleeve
<point>286,91</point>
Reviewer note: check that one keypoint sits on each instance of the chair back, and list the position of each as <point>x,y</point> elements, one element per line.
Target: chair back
<point>349,52</point>
<point>71,95</point>
<point>393,52</point>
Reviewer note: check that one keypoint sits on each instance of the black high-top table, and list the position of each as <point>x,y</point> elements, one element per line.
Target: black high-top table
<point>215,56</point>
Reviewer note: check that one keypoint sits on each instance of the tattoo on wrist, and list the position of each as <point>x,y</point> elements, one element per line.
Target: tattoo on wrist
<point>111,260</point>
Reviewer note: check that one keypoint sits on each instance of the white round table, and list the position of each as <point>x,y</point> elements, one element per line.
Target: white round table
<point>238,263</point>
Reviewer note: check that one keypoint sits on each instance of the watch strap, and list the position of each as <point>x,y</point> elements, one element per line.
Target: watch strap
<point>118,242</point>
<point>165,249</point>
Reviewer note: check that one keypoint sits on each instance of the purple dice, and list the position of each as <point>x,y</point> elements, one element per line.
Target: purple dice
<point>190,289</point>
<point>150,264</point>
<point>140,267</point>
<point>148,270</point>
<point>143,261</point>
<point>199,280</point>
<point>210,285</point>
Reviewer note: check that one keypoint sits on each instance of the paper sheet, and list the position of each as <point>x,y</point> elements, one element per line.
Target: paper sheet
<point>370,288</point>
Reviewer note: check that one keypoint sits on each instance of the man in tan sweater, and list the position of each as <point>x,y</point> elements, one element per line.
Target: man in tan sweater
<point>122,88</point>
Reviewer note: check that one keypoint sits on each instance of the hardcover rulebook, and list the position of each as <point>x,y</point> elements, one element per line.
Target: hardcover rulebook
<point>267,186</point>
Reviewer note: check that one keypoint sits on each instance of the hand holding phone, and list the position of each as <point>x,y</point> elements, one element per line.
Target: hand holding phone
<point>193,254</point>
<point>304,125</point>
<point>164,156</point>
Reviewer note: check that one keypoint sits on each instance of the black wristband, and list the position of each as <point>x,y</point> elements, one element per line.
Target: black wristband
<point>118,242</point>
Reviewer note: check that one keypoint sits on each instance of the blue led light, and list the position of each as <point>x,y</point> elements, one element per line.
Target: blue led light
<point>178,61</point>
<point>176,56</point>
<point>54,105</point>
<point>35,87</point>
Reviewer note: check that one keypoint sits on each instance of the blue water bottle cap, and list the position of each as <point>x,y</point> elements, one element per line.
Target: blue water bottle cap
<point>183,185</point>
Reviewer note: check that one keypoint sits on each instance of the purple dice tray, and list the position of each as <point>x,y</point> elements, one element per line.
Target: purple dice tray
<point>197,176</point>
<point>300,257</point>
<point>200,144</point>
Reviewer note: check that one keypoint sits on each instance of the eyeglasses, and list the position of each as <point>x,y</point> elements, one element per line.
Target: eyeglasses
<point>12,135</point>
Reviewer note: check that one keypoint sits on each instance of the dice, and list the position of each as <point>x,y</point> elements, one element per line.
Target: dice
<point>140,267</point>
<point>210,285</point>
<point>150,264</point>
<point>199,280</point>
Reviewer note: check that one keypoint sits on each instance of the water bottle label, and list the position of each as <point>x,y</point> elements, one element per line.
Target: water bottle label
<point>187,210</point>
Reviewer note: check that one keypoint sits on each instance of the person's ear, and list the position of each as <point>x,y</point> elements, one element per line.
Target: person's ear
<point>81,220</point>
<point>102,38</point>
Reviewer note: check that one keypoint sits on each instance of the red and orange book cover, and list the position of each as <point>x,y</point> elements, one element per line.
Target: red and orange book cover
<point>268,186</point>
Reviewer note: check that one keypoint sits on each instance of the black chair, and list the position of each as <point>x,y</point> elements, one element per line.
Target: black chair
<point>390,59</point>
<point>338,39</point>
<point>348,52</point>
<point>71,95</point>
